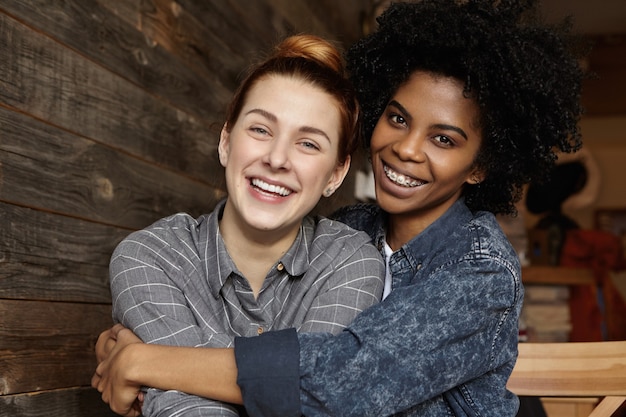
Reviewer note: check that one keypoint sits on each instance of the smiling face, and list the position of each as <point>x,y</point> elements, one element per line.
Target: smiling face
<point>423,150</point>
<point>280,156</point>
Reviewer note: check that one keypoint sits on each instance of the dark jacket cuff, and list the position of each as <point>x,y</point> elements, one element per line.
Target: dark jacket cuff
<point>269,373</point>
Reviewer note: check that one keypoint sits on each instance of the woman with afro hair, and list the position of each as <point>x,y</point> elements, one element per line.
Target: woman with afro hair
<point>463,103</point>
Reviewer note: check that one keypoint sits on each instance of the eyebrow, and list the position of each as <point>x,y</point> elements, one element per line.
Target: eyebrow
<point>442,126</point>
<point>273,118</point>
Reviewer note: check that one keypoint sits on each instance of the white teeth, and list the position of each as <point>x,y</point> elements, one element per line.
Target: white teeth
<point>401,179</point>
<point>271,188</point>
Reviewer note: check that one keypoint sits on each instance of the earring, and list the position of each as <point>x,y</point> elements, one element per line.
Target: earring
<point>328,192</point>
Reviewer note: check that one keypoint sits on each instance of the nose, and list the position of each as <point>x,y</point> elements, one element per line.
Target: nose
<point>410,148</point>
<point>277,156</point>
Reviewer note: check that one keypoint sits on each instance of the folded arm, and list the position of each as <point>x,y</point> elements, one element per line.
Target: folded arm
<point>148,289</point>
<point>127,364</point>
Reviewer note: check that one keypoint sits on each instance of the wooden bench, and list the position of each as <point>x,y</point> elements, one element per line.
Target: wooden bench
<point>574,370</point>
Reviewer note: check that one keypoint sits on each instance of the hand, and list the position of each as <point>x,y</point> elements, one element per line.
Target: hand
<point>105,343</point>
<point>112,377</point>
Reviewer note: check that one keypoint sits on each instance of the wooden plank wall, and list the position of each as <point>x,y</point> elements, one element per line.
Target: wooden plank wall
<point>109,115</point>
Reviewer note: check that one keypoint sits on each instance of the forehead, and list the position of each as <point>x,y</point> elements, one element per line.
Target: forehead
<point>295,100</point>
<point>275,85</point>
<point>424,88</point>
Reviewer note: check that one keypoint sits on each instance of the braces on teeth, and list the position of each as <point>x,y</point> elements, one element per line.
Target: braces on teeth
<point>399,178</point>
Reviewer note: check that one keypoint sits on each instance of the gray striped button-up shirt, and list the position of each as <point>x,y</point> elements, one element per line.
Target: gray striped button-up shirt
<point>174,283</point>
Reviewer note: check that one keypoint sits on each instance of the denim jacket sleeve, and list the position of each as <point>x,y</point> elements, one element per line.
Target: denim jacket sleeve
<point>268,373</point>
<point>393,356</point>
<point>426,338</point>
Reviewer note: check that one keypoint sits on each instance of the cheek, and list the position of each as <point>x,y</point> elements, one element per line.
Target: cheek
<point>317,174</point>
<point>452,172</point>
<point>384,136</point>
<point>242,152</point>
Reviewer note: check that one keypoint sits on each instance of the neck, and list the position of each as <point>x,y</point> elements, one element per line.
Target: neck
<point>401,229</point>
<point>254,251</point>
<point>404,226</point>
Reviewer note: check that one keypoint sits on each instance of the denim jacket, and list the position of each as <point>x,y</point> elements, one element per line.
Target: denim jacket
<point>443,343</point>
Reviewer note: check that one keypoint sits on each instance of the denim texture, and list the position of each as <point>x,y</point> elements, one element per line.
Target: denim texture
<point>443,343</point>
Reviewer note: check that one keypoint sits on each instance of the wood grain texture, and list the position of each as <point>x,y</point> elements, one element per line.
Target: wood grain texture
<point>47,168</point>
<point>49,257</point>
<point>97,104</point>
<point>72,402</point>
<point>47,345</point>
<point>105,38</point>
<point>586,369</point>
<point>214,46</point>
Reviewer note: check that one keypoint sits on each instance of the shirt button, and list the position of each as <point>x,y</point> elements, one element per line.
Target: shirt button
<point>280,266</point>
<point>419,266</point>
<point>259,330</point>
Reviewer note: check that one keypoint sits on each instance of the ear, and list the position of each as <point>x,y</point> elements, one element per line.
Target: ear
<point>337,177</point>
<point>223,148</point>
<point>476,177</point>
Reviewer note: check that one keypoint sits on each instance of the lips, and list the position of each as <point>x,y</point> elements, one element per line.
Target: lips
<point>401,179</point>
<point>270,188</point>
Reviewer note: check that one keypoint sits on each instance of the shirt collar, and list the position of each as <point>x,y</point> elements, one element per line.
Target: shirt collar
<point>429,240</point>
<point>297,259</point>
<point>427,243</point>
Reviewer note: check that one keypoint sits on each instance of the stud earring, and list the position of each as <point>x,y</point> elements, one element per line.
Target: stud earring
<point>328,192</point>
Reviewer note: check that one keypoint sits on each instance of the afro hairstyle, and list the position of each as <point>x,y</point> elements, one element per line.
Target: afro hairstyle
<point>524,75</point>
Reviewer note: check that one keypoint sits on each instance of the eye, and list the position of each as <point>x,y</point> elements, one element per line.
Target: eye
<point>309,145</point>
<point>397,119</point>
<point>443,140</point>
<point>259,131</point>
